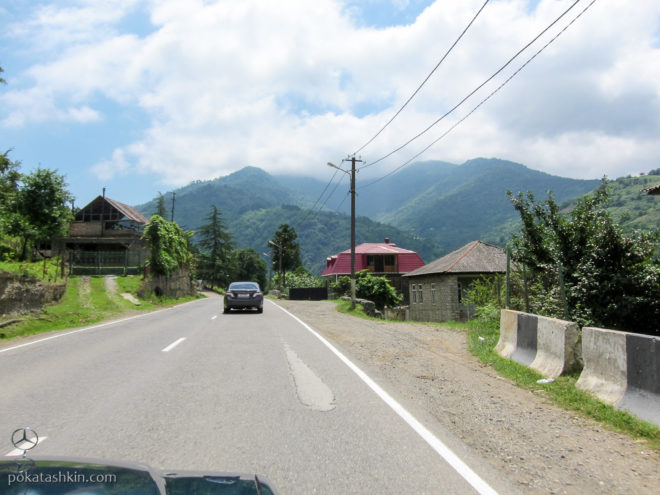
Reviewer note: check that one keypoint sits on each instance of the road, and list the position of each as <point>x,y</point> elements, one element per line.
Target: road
<point>192,388</point>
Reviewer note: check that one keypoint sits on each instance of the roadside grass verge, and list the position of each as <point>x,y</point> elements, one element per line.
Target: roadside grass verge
<point>482,338</point>
<point>85,302</point>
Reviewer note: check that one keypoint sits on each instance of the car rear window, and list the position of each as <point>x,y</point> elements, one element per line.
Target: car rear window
<point>243,286</point>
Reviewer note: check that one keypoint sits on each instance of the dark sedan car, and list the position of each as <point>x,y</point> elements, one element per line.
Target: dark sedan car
<point>244,295</point>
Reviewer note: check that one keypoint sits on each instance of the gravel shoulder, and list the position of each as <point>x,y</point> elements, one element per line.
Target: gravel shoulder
<point>538,446</point>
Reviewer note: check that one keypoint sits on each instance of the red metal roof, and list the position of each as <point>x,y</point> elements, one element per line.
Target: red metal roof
<point>340,264</point>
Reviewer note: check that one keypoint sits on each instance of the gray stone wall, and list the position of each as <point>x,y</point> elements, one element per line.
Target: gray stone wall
<point>178,284</point>
<point>445,306</point>
<point>22,294</point>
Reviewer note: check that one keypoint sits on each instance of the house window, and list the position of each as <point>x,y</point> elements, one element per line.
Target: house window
<point>413,296</point>
<point>433,299</point>
<point>420,293</point>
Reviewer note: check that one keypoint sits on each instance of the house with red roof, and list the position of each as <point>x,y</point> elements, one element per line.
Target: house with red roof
<point>382,259</point>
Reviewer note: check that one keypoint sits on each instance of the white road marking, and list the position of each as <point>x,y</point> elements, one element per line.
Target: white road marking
<point>436,444</point>
<point>214,317</point>
<point>310,389</point>
<point>174,344</point>
<point>93,327</point>
<point>18,452</point>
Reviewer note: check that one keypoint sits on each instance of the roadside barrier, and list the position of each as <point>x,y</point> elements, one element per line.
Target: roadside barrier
<point>508,333</point>
<point>547,345</point>
<point>623,369</point>
<point>526,339</point>
<point>605,364</point>
<point>558,347</point>
<point>620,368</point>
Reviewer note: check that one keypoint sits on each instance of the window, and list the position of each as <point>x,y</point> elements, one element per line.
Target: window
<point>413,297</point>
<point>433,299</point>
<point>420,294</point>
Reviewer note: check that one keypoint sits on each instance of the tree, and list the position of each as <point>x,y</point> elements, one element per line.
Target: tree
<point>1,79</point>
<point>609,278</point>
<point>216,246</point>
<point>9,180</point>
<point>41,210</point>
<point>285,237</point>
<point>161,210</point>
<point>367,286</point>
<point>168,246</point>
<point>249,266</point>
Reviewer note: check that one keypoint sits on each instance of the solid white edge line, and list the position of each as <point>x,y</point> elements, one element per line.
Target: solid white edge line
<point>173,344</point>
<point>93,327</point>
<point>18,452</point>
<point>436,444</point>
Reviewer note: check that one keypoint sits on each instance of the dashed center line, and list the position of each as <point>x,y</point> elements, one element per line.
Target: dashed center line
<point>174,344</point>
<point>214,317</point>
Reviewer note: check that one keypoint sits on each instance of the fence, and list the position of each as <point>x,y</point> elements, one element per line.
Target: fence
<point>308,294</point>
<point>105,262</point>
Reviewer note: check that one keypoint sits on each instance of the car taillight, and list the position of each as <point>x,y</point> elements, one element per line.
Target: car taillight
<point>257,294</point>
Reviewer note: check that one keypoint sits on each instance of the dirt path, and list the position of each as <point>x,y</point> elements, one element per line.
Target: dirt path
<point>539,446</point>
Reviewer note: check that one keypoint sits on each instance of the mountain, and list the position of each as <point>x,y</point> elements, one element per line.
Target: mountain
<point>248,189</point>
<point>431,207</point>
<point>472,198</point>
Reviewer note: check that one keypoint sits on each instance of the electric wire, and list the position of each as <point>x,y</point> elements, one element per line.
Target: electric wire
<point>310,210</point>
<point>424,81</point>
<point>475,90</point>
<point>484,100</point>
<point>341,179</point>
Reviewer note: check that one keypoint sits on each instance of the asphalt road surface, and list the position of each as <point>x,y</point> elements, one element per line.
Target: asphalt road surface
<point>192,388</point>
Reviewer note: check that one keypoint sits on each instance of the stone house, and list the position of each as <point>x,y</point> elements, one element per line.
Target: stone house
<point>437,290</point>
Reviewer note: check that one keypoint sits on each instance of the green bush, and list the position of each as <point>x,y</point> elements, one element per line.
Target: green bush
<point>376,289</point>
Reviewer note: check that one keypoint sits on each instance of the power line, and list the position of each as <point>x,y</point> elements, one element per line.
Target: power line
<point>329,196</point>
<point>310,210</point>
<point>475,90</point>
<point>485,99</point>
<point>424,81</point>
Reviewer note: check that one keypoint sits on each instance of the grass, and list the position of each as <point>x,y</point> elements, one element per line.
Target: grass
<point>48,270</point>
<point>482,339</point>
<point>85,304</point>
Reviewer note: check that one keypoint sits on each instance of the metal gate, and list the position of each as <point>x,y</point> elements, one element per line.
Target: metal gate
<point>105,262</point>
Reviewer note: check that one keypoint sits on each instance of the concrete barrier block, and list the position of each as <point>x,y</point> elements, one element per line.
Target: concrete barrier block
<point>558,349</point>
<point>605,364</point>
<point>642,396</point>
<point>526,339</point>
<point>508,333</point>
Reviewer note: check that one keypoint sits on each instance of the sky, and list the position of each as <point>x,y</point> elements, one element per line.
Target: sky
<point>144,96</point>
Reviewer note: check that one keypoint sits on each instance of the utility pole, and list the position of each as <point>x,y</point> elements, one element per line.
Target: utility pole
<point>353,160</point>
<point>173,195</point>
<point>279,278</point>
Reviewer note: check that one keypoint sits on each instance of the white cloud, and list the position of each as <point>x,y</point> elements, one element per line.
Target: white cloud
<point>287,86</point>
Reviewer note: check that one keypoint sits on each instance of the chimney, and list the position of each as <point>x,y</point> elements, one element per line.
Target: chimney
<point>387,240</point>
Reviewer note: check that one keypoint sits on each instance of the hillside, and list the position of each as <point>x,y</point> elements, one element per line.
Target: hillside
<point>630,207</point>
<point>320,235</point>
<point>245,190</point>
<point>473,200</point>
<point>431,207</point>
